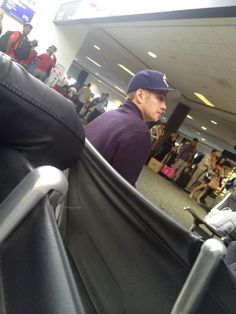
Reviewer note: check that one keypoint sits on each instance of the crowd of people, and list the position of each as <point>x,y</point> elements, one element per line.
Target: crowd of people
<point>18,46</point>
<point>205,176</point>
<point>87,105</point>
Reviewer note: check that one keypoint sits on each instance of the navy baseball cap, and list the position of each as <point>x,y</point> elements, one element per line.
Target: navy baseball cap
<point>149,80</point>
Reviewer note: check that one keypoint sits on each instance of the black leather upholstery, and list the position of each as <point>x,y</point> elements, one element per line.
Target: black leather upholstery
<point>35,273</point>
<point>38,127</point>
<point>125,255</point>
<point>13,167</point>
<point>131,257</point>
<point>37,120</point>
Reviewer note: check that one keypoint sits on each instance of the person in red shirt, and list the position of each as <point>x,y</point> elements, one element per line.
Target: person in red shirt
<point>46,62</point>
<point>14,40</point>
<point>33,54</point>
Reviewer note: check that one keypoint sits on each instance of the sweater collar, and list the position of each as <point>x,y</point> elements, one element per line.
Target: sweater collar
<point>133,107</point>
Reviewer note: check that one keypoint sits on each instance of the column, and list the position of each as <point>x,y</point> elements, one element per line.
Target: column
<point>174,122</point>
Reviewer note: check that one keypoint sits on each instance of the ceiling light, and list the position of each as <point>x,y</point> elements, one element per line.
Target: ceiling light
<point>214,122</point>
<point>91,60</point>
<point>198,133</point>
<point>97,74</point>
<point>151,54</point>
<point>203,139</point>
<point>203,128</point>
<point>204,99</point>
<point>125,69</point>
<point>96,47</point>
<point>121,90</point>
<point>189,117</point>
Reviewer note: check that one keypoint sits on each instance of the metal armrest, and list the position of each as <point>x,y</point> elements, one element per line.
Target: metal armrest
<point>36,184</point>
<point>197,221</point>
<point>200,277</point>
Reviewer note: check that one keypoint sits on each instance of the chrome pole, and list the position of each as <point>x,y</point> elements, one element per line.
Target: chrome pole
<point>200,277</point>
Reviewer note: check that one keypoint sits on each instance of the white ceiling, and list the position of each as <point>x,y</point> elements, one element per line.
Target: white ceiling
<point>196,55</point>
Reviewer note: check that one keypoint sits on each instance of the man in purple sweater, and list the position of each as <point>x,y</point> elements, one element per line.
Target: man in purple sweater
<point>122,136</point>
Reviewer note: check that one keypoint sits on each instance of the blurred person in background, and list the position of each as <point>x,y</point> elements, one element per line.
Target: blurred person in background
<point>46,62</point>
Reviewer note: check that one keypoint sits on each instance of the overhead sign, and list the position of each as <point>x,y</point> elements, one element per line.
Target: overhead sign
<point>21,10</point>
<point>88,9</point>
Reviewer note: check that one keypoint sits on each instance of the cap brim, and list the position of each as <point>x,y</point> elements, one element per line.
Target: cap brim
<point>168,89</point>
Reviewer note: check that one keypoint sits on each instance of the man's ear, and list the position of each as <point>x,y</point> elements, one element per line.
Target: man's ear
<point>139,95</point>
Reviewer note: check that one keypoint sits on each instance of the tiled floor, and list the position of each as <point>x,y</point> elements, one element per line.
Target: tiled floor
<point>165,195</point>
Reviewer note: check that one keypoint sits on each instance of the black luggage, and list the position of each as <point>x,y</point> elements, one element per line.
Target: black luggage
<point>184,178</point>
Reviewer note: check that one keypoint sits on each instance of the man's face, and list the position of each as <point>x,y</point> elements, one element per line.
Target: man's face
<point>194,143</point>
<point>50,51</point>
<point>214,154</point>
<point>26,29</point>
<point>153,104</point>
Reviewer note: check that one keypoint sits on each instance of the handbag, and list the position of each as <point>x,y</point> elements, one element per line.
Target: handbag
<point>214,183</point>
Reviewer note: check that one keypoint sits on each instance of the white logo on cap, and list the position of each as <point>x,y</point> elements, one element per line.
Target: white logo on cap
<point>165,80</point>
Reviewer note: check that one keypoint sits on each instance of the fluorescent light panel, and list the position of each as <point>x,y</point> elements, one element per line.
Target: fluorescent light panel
<point>121,90</point>
<point>152,54</point>
<point>203,128</point>
<point>125,69</point>
<point>198,133</point>
<point>203,139</point>
<point>214,122</point>
<point>189,117</point>
<point>204,99</point>
<point>96,47</point>
<point>94,62</point>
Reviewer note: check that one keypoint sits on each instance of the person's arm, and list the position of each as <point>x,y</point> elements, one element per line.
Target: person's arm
<point>207,161</point>
<point>13,39</point>
<point>54,61</point>
<point>33,56</point>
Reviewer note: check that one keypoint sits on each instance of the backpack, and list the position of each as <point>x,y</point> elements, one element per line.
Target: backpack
<point>4,39</point>
<point>23,48</point>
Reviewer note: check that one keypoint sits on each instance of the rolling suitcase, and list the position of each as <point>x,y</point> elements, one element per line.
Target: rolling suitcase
<point>184,178</point>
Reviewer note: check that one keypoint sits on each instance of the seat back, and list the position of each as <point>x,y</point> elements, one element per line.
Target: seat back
<point>131,257</point>
<point>35,274</point>
<point>36,119</point>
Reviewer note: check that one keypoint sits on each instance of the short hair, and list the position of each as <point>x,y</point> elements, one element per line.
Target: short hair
<point>54,48</point>
<point>131,95</point>
<point>195,139</point>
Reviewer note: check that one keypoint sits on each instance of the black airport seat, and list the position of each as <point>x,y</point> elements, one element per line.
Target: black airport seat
<point>115,252</point>
<point>131,257</point>
<point>35,274</point>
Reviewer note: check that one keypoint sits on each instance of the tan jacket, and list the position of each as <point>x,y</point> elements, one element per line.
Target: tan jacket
<point>84,94</point>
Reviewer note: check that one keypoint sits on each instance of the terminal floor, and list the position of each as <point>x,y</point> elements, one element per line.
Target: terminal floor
<point>168,197</point>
